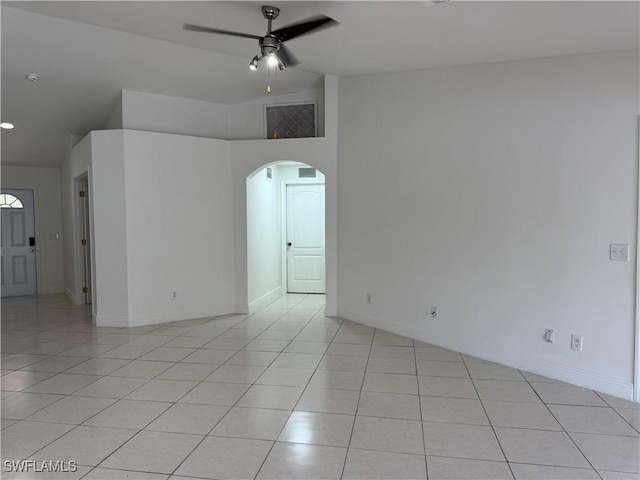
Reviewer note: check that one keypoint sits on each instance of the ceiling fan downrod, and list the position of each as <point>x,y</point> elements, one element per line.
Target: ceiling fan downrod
<point>270,13</point>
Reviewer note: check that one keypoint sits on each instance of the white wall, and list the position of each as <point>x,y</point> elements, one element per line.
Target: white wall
<point>493,192</point>
<point>109,206</point>
<point>45,182</point>
<point>264,241</point>
<point>75,165</point>
<point>115,120</point>
<point>179,222</point>
<point>247,119</point>
<point>162,222</point>
<point>161,113</point>
<point>164,114</point>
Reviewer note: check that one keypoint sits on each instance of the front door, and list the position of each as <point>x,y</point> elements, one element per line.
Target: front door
<point>305,239</point>
<point>18,243</point>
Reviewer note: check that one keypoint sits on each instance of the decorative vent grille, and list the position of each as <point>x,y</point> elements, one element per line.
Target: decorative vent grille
<point>269,173</point>
<point>291,121</point>
<point>307,172</point>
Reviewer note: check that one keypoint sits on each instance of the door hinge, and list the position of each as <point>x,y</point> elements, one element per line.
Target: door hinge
<point>83,241</point>
<point>85,289</point>
<point>82,194</point>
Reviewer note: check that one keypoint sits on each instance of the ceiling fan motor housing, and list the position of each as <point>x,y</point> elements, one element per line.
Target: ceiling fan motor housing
<point>269,44</point>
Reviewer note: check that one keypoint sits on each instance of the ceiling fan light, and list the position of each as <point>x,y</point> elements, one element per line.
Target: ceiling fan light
<point>253,66</point>
<point>272,60</point>
<point>281,65</point>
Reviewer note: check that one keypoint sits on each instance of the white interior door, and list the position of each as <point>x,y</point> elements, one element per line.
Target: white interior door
<point>305,239</point>
<point>18,243</point>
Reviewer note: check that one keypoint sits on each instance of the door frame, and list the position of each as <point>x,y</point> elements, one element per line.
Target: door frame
<point>83,210</point>
<point>636,359</point>
<point>283,226</point>
<point>36,227</point>
<point>76,233</point>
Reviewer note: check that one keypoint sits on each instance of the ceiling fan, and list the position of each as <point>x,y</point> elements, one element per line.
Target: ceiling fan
<point>271,45</point>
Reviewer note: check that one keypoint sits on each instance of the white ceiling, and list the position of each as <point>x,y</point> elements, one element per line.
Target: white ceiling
<point>87,51</point>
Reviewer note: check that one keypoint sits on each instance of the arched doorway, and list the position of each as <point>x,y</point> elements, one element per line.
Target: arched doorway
<point>285,232</point>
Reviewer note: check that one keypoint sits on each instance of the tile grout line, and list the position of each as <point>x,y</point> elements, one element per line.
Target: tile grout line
<point>488,419</point>
<point>618,413</point>
<point>424,443</point>
<point>355,415</point>
<point>561,426</point>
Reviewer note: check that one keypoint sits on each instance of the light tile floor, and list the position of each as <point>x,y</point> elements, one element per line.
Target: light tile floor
<point>288,393</point>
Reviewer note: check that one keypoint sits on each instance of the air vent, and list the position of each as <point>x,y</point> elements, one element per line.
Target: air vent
<point>269,173</point>
<point>307,172</point>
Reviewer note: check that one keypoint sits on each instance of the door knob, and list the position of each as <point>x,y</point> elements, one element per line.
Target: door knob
<point>289,244</point>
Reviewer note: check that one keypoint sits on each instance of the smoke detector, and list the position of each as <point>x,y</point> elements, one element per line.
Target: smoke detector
<point>32,77</point>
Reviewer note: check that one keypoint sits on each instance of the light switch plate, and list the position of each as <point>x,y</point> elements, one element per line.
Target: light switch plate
<point>619,252</point>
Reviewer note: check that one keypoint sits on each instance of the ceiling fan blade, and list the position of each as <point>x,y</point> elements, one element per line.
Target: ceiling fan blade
<point>303,28</point>
<point>198,28</point>
<point>287,57</point>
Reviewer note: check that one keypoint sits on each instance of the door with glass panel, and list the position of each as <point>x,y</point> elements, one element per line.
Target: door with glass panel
<point>18,243</point>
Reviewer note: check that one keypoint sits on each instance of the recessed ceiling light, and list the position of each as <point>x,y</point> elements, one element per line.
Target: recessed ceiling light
<point>32,77</point>
<point>6,125</point>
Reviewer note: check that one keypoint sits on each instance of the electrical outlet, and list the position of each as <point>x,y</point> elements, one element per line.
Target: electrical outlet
<point>368,297</point>
<point>174,295</point>
<point>434,312</point>
<point>548,335</point>
<point>576,342</point>
<point>619,252</point>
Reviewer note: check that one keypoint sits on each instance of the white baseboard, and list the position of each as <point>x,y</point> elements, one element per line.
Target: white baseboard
<point>110,321</point>
<point>162,317</point>
<point>242,308</point>
<point>177,315</point>
<point>51,291</point>
<point>72,296</point>
<point>265,300</point>
<point>583,378</point>
<point>330,310</point>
